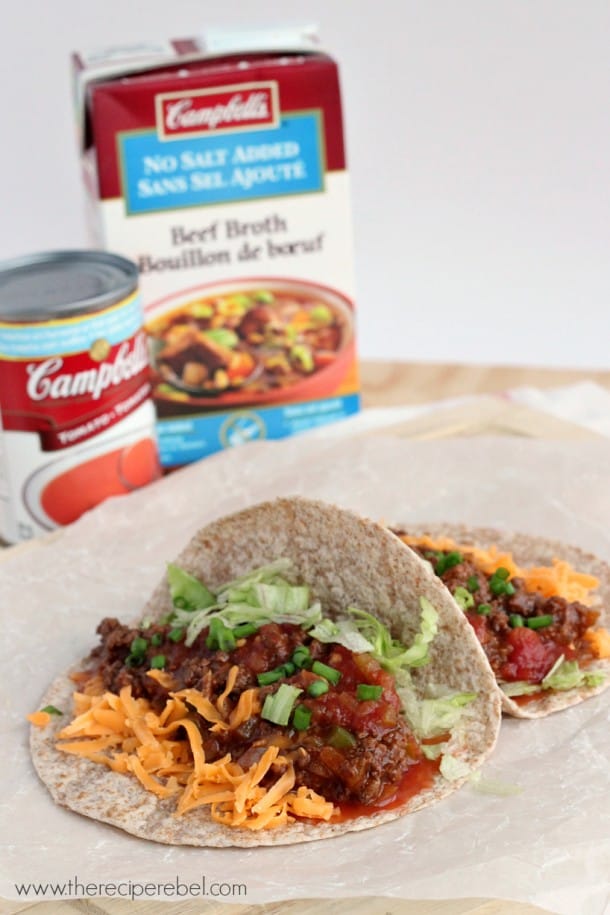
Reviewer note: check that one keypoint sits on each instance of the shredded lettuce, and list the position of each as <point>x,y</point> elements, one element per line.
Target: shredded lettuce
<point>493,786</point>
<point>562,675</point>
<point>392,654</point>
<point>259,597</point>
<point>281,598</point>
<point>569,676</point>
<point>198,622</point>
<point>431,717</point>
<point>266,594</point>
<point>187,592</point>
<point>520,688</point>
<point>239,588</point>
<point>417,654</point>
<point>342,632</point>
<point>434,750</point>
<point>234,614</point>
<point>452,768</point>
<point>434,716</point>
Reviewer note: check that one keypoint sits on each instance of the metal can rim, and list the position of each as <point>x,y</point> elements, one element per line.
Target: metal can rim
<point>89,304</point>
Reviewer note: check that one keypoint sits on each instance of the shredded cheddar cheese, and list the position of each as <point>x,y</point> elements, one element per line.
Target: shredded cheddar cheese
<point>39,719</point>
<point>125,734</point>
<point>599,641</point>
<point>559,579</point>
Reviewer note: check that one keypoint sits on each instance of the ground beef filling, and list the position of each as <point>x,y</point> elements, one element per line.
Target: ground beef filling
<point>515,650</point>
<point>352,751</point>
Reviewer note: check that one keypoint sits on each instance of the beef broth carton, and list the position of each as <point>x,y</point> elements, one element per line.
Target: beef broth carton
<point>218,166</point>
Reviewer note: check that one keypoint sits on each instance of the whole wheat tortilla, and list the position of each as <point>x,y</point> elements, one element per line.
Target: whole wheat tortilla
<point>534,551</point>
<point>346,560</point>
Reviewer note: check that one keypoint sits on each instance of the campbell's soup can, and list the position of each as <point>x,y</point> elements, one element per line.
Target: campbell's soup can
<point>77,421</point>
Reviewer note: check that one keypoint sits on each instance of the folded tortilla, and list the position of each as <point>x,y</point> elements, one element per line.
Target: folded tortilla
<point>346,560</point>
<point>528,550</point>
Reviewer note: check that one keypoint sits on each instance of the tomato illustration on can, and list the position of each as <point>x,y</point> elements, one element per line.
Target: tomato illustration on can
<point>77,421</point>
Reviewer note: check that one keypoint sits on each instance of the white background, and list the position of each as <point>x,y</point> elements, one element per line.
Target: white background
<point>478,137</point>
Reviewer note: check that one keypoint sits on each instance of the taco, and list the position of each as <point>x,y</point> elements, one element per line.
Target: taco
<point>539,608</point>
<point>299,673</point>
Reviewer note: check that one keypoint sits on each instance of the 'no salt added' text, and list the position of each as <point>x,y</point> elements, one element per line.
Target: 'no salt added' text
<point>243,167</point>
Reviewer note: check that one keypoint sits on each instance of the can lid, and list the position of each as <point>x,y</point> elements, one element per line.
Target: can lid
<point>63,283</point>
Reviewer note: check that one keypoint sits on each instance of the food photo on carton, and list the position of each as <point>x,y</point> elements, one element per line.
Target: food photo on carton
<point>217,186</point>
<point>217,164</point>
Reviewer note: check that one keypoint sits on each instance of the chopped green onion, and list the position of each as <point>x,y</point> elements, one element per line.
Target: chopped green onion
<point>220,637</point>
<point>448,561</point>
<point>213,633</point>
<point>278,706</point>
<point>158,662</point>
<point>463,598</point>
<point>484,609</point>
<point>473,584</point>
<point>499,584</point>
<point>133,660</point>
<point>156,640</point>
<point>341,739</point>
<point>176,635</point>
<point>366,691</point>
<point>244,630</point>
<point>301,718</point>
<point>323,670</point>
<point>226,639</point>
<point>270,676</point>
<point>539,622</point>
<point>138,646</point>
<point>302,657</point>
<point>516,620</point>
<point>51,710</point>
<point>317,688</point>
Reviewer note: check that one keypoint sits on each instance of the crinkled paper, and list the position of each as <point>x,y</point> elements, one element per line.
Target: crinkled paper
<point>548,844</point>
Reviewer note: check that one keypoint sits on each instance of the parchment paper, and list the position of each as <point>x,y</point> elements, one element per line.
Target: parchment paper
<point>549,844</point>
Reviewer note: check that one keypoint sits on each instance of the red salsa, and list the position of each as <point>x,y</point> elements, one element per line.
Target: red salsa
<point>352,744</point>
<point>523,633</point>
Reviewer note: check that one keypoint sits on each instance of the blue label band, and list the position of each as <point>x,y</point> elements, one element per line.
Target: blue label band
<point>37,340</point>
<point>222,168</point>
<point>190,438</point>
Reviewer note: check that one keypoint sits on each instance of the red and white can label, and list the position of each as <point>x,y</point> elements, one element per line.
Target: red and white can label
<point>72,391</point>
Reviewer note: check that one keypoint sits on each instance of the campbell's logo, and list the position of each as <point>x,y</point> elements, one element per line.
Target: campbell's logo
<point>245,106</point>
<point>46,381</point>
